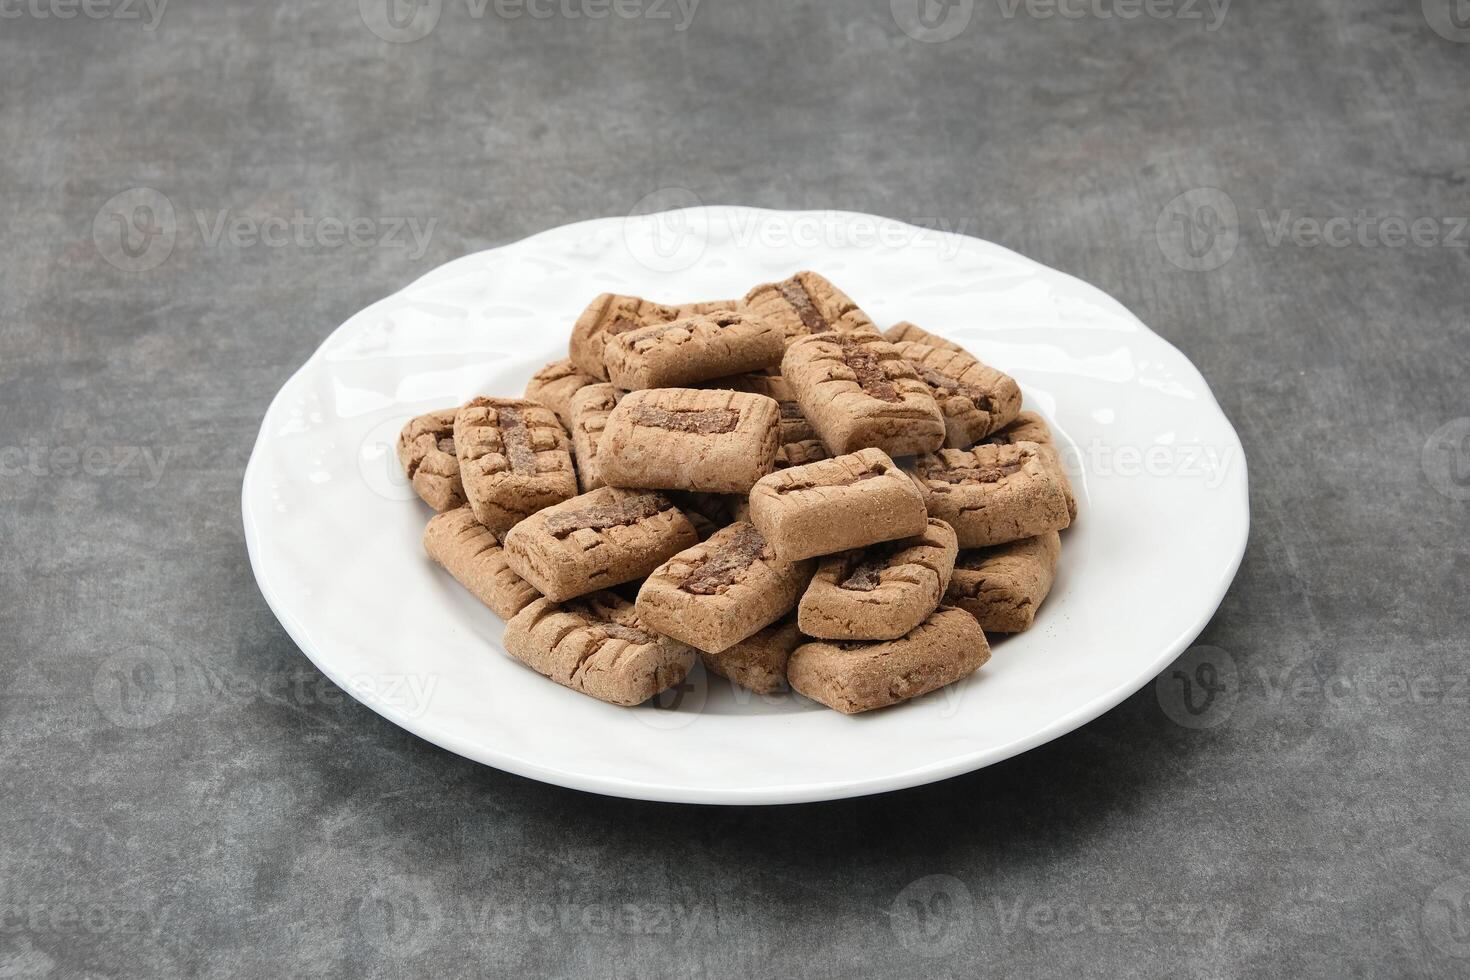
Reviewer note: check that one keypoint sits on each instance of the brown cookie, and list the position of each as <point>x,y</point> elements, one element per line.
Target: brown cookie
<point>858,676</point>
<point>880,592</point>
<point>806,304</point>
<point>590,408</point>
<point>555,384</point>
<point>514,459</point>
<point>836,504</point>
<point>1030,427</point>
<point>596,541</point>
<point>794,425</point>
<point>597,646</point>
<point>1002,587</point>
<point>468,551</point>
<point>719,592</point>
<point>801,453</point>
<point>426,450</point>
<point>694,349</point>
<point>759,661</point>
<point>904,330</point>
<point>689,439</point>
<point>859,392</point>
<point>975,398</point>
<point>610,314</point>
<point>992,494</point>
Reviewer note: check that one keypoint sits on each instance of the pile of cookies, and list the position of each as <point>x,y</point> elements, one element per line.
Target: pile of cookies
<point>771,484</point>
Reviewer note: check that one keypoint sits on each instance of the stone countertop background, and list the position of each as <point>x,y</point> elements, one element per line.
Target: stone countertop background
<point>258,822</point>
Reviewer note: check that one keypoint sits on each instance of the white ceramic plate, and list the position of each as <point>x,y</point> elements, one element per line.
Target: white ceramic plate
<point>334,532</point>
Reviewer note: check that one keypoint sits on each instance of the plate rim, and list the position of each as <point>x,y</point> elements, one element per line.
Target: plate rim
<point>780,794</point>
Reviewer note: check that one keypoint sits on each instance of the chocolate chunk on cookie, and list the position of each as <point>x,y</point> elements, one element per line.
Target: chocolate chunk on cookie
<point>859,392</point>
<point>689,439</point>
<point>975,398</point>
<point>595,541</point>
<point>759,661</point>
<point>904,330</point>
<point>1030,427</point>
<point>555,384</point>
<point>693,349</point>
<point>514,459</point>
<point>880,592</point>
<point>596,645</point>
<point>589,409</point>
<point>794,425</point>
<point>426,451</point>
<point>611,314</point>
<point>720,591</point>
<point>854,676</point>
<point>1004,586</point>
<point>467,550</point>
<point>836,504</point>
<point>992,494</point>
<point>806,304</point>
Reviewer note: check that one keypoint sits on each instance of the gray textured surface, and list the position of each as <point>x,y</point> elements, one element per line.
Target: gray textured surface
<point>266,825</point>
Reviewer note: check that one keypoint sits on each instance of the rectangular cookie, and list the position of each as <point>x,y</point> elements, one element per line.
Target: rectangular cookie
<point>836,504</point>
<point>854,676</point>
<point>794,425</point>
<point>689,439</point>
<point>1004,586</point>
<point>597,646</point>
<point>801,453</point>
<point>611,314</point>
<point>1030,427</point>
<point>759,661</point>
<point>975,398</point>
<point>466,549</point>
<point>806,304</point>
<point>514,459</point>
<point>426,450</point>
<point>720,591</point>
<point>590,408</point>
<point>904,330</point>
<point>992,494</point>
<point>859,392</point>
<point>596,541</point>
<point>555,384</point>
<point>693,349</point>
<point>880,592</point>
